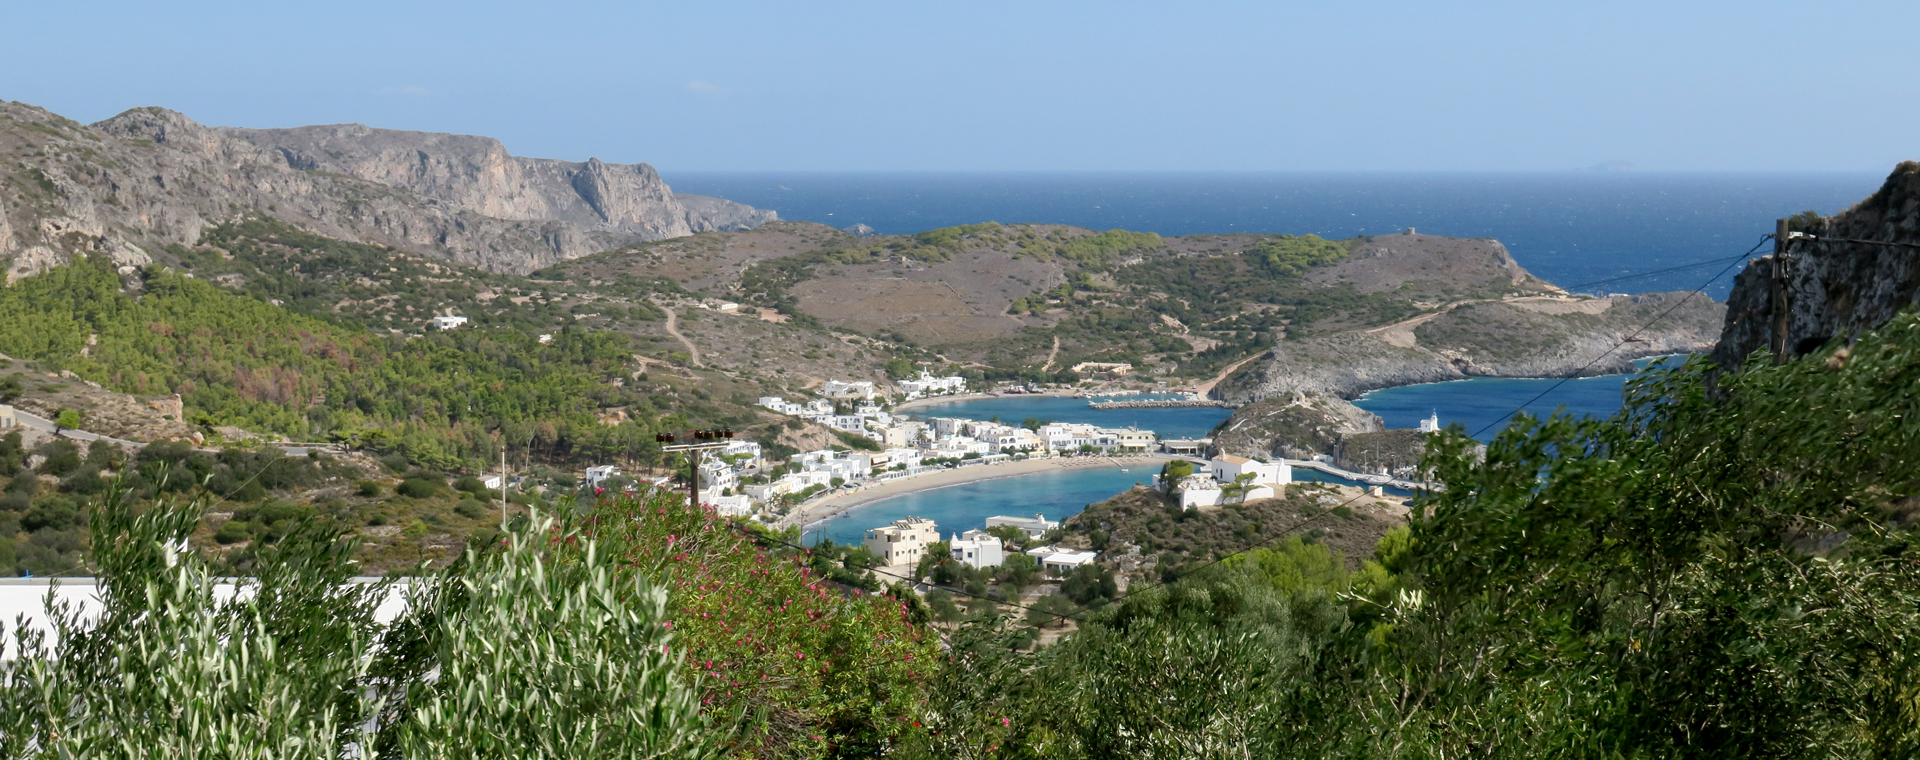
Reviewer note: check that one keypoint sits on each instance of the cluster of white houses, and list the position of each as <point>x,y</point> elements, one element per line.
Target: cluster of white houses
<point>905,542</point>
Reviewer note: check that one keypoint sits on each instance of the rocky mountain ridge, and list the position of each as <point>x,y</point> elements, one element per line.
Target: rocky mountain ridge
<point>132,185</point>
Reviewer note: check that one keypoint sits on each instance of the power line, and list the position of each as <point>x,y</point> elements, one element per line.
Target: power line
<point>1681,268</point>
<point>1624,341</point>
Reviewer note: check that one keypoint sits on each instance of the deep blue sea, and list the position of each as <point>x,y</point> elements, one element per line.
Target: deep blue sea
<point>1568,227</point>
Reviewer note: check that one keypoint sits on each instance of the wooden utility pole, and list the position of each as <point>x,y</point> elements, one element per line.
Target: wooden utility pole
<point>706,440</point>
<point>1782,303</point>
<point>503,486</point>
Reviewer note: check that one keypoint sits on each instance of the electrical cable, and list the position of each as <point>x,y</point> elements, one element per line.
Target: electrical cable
<point>1624,341</point>
<point>1681,268</point>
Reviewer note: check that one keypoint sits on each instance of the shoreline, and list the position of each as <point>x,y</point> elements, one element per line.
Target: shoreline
<point>834,506</point>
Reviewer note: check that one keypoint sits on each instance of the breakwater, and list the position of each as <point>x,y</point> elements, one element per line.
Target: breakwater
<point>1157,403</point>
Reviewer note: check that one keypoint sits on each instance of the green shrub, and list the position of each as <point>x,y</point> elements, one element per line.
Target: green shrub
<point>367,488</point>
<point>471,509</point>
<point>233,532</point>
<point>418,488</point>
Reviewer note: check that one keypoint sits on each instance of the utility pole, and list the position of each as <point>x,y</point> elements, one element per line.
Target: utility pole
<point>704,440</point>
<point>503,486</point>
<point>1782,302</point>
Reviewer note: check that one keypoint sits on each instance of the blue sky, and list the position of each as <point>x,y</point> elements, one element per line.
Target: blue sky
<point>1024,85</point>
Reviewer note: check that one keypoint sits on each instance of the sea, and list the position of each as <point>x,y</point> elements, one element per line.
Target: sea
<point>1571,228</point>
<point>1592,232</point>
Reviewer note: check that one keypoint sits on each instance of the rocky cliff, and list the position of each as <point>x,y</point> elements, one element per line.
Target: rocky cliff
<point>478,174</point>
<point>1839,282</point>
<point>130,186</point>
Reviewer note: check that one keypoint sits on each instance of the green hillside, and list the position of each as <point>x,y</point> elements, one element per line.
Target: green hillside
<point>239,361</point>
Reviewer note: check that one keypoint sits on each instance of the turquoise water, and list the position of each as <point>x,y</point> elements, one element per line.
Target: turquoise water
<point>1178,422</point>
<point>1481,402</point>
<point>1484,403</point>
<point>1056,494</point>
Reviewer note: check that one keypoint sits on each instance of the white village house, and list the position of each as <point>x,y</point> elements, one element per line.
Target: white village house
<point>977,549</point>
<point>904,542</point>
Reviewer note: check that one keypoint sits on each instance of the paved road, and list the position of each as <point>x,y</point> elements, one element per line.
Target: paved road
<point>37,422</point>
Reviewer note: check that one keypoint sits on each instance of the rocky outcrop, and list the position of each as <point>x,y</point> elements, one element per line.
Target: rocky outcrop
<point>1390,452</point>
<point>130,186</point>
<point>709,214</point>
<point>1835,286</point>
<point>1293,428</point>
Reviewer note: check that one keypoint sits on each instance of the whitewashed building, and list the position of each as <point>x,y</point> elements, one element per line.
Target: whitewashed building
<point>928,385</point>
<point>601,474</point>
<point>860,389</point>
<point>904,542</point>
<point>7,417</point>
<point>977,549</point>
<point>1228,468</point>
<point>1058,561</point>
<point>1035,526</point>
<point>448,322</point>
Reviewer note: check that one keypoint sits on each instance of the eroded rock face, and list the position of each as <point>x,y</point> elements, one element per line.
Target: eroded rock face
<point>1294,428</point>
<point>131,185</point>
<point>1835,289</point>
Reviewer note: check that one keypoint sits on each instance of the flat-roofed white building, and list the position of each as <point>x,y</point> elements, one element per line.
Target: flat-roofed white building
<point>977,549</point>
<point>1058,561</point>
<point>860,389</point>
<point>601,474</point>
<point>904,542</point>
<point>448,322</point>
<point>1228,468</point>
<point>1035,526</point>
<point>7,417</point>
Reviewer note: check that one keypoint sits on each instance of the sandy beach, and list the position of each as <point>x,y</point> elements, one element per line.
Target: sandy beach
<point>1145,464</point>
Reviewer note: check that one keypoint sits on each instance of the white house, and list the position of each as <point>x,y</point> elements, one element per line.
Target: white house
<point>600,474</point>
<point>492,482</point>
<point>1200,490</point>
<point>903,542</point>
<point>1035,526</point>
<point>448,322</point>
<point>7,417</point>
<point>717,474</point>
<point>545,338</point>
<point>928,385</point>
<point>977,549</point>
<point>1057,561</point>
<point>739,506</point>
<point>860,389</point>
<point>1228,468</point>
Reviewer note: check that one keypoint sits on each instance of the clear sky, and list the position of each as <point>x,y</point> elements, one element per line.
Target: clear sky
<point>708,85</point>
